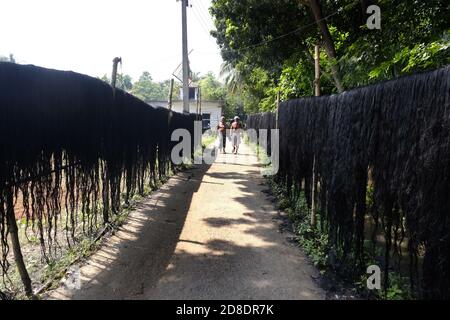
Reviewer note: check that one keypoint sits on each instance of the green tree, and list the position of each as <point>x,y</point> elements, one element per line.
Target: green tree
<point>232,76</point>
<point>211,88</point>
<point>10,58</point>
<point>147,90</point>
<point>123,82</point>
<point>269,43</point>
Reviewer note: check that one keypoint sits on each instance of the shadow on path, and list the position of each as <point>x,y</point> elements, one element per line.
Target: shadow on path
<point>209,233</point>
<point>139,253</point>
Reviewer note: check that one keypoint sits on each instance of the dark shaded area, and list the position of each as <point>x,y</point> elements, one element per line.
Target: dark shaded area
<point>395,136</point>
<point>139,254</point>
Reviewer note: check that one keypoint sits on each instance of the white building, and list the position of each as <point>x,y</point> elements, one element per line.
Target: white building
<point>211,110</point>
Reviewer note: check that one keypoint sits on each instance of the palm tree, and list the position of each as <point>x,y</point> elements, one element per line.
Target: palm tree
<point>232,76</point>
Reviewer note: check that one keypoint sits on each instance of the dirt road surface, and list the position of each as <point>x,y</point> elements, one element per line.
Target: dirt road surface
<point>209,233</point>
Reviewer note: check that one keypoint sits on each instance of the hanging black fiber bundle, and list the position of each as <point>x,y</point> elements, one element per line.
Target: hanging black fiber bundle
<point>394,136</point>
<point>72,151</point>
<point>265,120</point>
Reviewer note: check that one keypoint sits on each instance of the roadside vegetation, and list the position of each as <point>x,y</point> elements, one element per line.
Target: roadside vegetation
<point>316,245</point>
<point>47,272</point>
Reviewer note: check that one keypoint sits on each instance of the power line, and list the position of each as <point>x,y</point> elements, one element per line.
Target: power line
<point>205,13</point>
<point>286,34</point>
<point>207,25</point>
<point>283,35</point>
<point>204,8</point>
<point>200,21</point>
<point>196,9</point>
<point>205,28</point>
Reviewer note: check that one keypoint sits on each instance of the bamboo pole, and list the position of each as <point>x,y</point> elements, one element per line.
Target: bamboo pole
<point>170,95</point>
<point>278,108</point>
<point>314,180</point>
<point>17,251</point>
<point>116,61</point>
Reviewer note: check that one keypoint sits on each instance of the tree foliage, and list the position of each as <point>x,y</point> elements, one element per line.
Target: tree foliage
<point>211,88</point>
<point>270,44</point>
<point>123,81</point>
<point>374,157</point>
<point>146,89</point>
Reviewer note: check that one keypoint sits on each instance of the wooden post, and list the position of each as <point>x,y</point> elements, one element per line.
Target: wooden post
<point>313,194</point>
<point>316,93</point>
<point>278,107</point>
<point>200,104</point>
<point>197,110</point>
<point>316,71</point>
<point>169,103</point>
<point>106,187</point>
<point>170,95</point>
<point>17,251</point>
<point>105,193</point>
<point>116,61</point>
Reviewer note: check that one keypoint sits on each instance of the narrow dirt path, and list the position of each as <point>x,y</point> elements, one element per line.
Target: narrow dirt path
<point>209,233</point>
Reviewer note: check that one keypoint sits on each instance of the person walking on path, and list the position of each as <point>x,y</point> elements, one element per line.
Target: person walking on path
<point>236,134</point>
<point>200,248</point>
<point>222,130</point>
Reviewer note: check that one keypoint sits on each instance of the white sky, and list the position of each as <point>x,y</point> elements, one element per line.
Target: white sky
<point>85,35</point>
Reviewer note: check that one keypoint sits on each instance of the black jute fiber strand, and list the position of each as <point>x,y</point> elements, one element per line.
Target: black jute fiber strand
<point>72,152</point>
<point>394,136</point>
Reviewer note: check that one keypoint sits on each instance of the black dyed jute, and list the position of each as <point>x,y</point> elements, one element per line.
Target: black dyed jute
<point>72,152</point>
<point>393,137</point>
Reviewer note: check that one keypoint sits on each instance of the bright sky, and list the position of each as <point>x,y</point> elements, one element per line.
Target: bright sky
<point>85,35</point>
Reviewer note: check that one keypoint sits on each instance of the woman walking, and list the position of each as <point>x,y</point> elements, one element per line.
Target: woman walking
<point>236,134</point>
<point>222,130</point>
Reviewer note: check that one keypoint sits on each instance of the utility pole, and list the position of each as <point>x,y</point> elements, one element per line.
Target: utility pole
<point>106,189</point>
<point>17,251</point>
<point>316,93</point>
<point>184,4</point>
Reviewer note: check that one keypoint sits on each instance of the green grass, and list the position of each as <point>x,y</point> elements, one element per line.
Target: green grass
<point>312,240</point>
<point>208,139</point>
<point>261,153</point>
